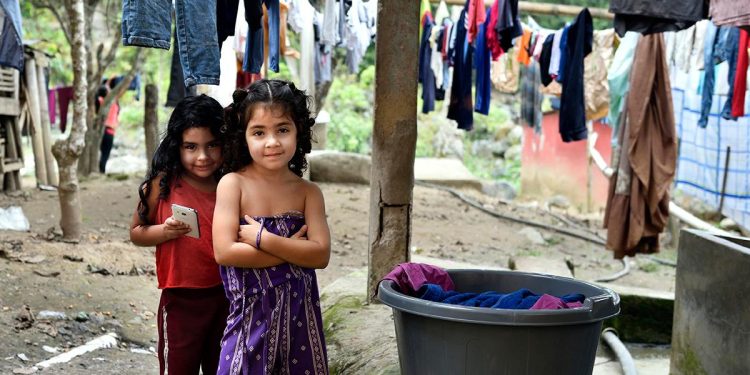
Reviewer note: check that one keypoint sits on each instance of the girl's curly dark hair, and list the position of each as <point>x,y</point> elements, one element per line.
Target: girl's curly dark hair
<point>192,112</point>
<point>272,92</point>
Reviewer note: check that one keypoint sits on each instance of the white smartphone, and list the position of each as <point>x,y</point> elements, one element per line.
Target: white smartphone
<point>188,216</point>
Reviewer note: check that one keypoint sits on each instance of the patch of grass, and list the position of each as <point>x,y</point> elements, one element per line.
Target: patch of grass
<point>649,267</point>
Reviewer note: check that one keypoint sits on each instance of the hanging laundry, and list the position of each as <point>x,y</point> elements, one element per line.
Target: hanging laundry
<point>523,48</point>
<point>442,47</point>
<point>425,74</point>
<point>648,16</point>
<point>176,90</point>
<point>424,11</point>
<point>226,16</point>
<point>740,77</point>
<point>505,74</point>
<point>441,13</point>
<point>572,107</point>
<point>358,34</point>
<point>272,37</point>
<point>554,61</point>
<point>644,161</point>
<point>563,54</point>
<point>531,97</point>
<point>477,15</point>
<point>493,38</point>
<point>200,52</point>
<point>461,108</point>
<point>135,84</point>
<point>301,19</point>
<point>64,97</point>
<point>52,101</point>
<point>508,26</point>
<point>436,61</point>
<point>596,88</point>
<point>482,58</point>
<point>730,12</point>
<point>618,79</point>
<point>549,85</point>
<point>11,35</point>
<point>684,49</point>
<point>329,35</point>
<point>721,45</point>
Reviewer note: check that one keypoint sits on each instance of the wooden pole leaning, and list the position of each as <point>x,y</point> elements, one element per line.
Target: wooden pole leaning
<point>394,138</point>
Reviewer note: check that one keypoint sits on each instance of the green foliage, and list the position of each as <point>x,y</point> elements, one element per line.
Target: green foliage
<point>350,102</point>
<point>42,31</point>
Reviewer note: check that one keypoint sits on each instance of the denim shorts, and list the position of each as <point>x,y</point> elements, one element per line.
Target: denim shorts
<point>148,23</point>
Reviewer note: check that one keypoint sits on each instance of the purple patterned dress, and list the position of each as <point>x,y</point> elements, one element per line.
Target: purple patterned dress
<point>274,325</point>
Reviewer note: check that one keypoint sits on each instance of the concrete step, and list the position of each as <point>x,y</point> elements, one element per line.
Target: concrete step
<point>446,172</point>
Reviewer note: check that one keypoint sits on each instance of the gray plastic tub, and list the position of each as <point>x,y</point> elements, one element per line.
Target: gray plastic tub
<point>438,338</point>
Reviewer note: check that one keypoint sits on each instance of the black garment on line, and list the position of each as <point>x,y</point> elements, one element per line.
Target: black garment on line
<point>508,26</point>
<point>461,107</point>
<point>544,60</point>
<point>254,13</point>
<point>656,16</point>
<point>177,90</point>
<point>226,17</point>
<point>426,75</point>
<point>572,101</point>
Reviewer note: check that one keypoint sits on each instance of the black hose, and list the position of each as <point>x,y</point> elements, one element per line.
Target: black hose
<point>469,201</point>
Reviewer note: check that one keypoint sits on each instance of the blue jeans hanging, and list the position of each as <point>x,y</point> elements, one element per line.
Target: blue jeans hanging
<point>148,23</point>
<point>720,45</point>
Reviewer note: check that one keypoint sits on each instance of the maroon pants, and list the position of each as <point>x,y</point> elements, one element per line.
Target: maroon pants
<point>191,323</point>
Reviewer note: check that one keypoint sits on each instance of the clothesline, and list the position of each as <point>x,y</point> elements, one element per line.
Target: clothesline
<point>545,8</point>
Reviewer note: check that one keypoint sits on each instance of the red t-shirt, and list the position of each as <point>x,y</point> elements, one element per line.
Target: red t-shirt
<point>187,262</point>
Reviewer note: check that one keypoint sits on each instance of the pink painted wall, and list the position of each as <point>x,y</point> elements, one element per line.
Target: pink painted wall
<point>551,167</point>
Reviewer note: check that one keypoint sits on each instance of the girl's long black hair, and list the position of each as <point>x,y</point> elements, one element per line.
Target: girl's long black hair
<point>192,112</point>
<point>274,92</point>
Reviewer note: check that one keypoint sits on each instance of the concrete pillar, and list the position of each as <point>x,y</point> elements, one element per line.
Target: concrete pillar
<point>711,325</point>
<point>394,137</point>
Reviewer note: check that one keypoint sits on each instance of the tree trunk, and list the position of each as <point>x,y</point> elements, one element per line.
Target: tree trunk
<point>394,138</point>
<point>90,155</point>
<point>67,151</point>
<point>151,121</point>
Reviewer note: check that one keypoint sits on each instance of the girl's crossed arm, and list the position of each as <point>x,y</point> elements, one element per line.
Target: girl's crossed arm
<point>228,250</point>
<point>147,233</point>
<point>311,253</point>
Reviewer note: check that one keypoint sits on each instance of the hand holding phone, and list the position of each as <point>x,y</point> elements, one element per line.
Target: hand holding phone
<point>188,216</point>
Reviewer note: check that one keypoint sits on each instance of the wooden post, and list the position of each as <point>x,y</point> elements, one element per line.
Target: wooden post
<point>35,121</point>
<point>589,172</point>
<point>151,121</point>
<point>12,153</point>
<point>50,164</point>
<point>394,137</point>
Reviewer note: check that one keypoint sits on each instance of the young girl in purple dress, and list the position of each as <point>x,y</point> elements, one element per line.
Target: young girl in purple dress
<point>274,325</point>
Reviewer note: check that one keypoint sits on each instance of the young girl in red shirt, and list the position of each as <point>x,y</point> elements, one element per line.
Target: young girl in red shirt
<point>185,170</point>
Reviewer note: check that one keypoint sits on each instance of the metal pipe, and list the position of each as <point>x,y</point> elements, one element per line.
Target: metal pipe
<point>609,335</point>
<point>674,209</point>
<point>724,182</point>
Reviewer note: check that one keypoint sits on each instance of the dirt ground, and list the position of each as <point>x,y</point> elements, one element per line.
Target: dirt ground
<point>106,284</point>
